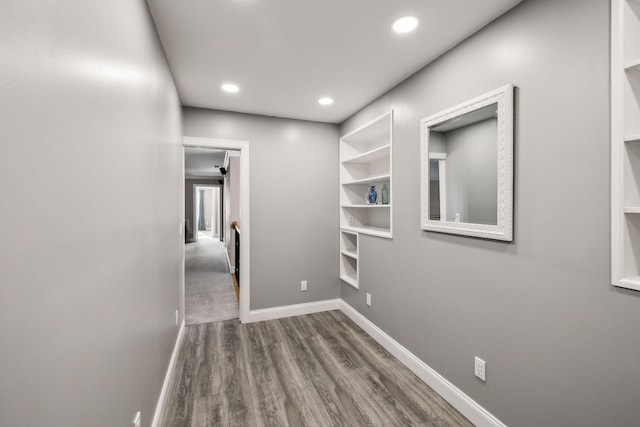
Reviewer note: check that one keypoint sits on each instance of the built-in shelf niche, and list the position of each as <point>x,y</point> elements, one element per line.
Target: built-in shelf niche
<point>349,257</point>
<point>365,160</point>
<point>625,150</point>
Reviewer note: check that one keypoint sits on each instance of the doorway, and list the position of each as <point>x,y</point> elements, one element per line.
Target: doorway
<point>221,214</point>
<point>207,211</point>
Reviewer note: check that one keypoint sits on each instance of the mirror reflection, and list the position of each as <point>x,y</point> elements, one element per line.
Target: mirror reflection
<point>463,168</point>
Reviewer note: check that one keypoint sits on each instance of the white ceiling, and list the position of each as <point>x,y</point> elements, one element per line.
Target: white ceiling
<point>200,162</point>
<point>285,54</point>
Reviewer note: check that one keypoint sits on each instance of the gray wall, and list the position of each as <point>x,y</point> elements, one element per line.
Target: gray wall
<point>90,265</point>
<point>294,202</point>
<point>472,173</point>
<point>561,344</point>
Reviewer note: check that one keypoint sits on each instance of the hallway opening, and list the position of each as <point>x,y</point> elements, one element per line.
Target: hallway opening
<point>212,192</point>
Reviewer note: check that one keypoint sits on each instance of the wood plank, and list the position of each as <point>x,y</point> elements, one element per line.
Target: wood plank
<point>319,370</point>
<point>410,392</point>
<point>366,375</point>
<point>238,399</point>
<point>269,401</point>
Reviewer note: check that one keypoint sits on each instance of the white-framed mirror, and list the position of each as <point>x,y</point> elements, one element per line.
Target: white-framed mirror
<point>466,155</point>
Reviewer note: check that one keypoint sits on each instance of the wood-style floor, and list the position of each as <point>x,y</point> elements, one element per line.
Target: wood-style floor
<point>313,370</point>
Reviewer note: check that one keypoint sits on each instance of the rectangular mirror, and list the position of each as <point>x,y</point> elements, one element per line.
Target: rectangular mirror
<point>467,168</point>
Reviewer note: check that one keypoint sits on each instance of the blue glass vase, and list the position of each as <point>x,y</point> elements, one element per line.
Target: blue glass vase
<point>372,196</point>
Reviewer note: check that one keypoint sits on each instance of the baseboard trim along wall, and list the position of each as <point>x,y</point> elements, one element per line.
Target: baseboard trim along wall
<point>167,377</point>
<point>293,310</point>
<point>463,403</point>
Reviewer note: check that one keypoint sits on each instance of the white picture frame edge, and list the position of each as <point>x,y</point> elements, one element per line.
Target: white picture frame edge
<point>503,231</point>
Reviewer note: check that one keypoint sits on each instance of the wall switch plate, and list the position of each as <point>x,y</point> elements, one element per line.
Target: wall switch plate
<point>303,285</point>
<point>137,420</point>
<point>480,369</point>
<point>368,299</point>
<point>177,317</point>
<point>180,228</point>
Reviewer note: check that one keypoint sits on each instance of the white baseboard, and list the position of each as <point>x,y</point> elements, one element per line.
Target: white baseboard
<point>293,310</point>
<point>463,403</point>
<point>167,377</point>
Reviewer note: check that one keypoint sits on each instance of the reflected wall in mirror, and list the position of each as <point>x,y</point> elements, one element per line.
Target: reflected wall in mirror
<point>467,168</point>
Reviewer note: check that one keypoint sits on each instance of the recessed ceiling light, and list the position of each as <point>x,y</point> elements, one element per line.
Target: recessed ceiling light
<point>325,101</point>
<point>405,24</point>
<point>230,87</point>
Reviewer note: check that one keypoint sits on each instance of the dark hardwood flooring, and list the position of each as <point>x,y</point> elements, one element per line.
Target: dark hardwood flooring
<point>313,370</point>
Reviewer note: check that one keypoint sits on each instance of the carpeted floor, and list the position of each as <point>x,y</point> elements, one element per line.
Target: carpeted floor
<point>209,292</point>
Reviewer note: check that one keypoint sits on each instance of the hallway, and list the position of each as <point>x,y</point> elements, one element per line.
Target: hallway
<point>209,291</point>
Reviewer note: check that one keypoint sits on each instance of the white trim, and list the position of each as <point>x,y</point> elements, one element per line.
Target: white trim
<point>232,268</point>
<point>442,179</point>
<point>463,403</point>
<point>293,310</point>
<point>503,229</point>
<point>168,375</point>
<point>245,222</point>
<point>617,147</point>
<point>437,156</point>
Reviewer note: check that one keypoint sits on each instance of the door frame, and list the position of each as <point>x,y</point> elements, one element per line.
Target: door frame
<point>245,224</point>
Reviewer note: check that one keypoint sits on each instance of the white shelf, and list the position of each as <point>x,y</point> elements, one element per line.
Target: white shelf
<point>349,254</point>
<point>629,283</point>
<point>365,206</point>
<point>376,129</point>
<point>633,65</point>
<point>632,137</point>
<point>370,156</point>
<point>369,180</point>
<point>625,116</point>
<point>372,231</point>
<point>349,257</point>
<point>350,280</point>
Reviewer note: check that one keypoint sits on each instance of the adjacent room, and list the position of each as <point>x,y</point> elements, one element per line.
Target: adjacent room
<point>336,213</point>
<point>211,290</point>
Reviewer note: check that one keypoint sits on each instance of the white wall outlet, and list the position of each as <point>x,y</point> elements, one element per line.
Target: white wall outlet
<point>303,285</point>
<point>180,228</point>
<point>480,369</point>
<point>177,317</point>
<point>368,299</point>
<point>137,420</point>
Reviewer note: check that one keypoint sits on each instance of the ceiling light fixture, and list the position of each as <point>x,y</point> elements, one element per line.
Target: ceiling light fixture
<point>325,101</point>
<point>406,24</point>
<point>230,87</point>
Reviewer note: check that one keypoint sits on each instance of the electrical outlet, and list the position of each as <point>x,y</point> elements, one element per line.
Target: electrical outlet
<point>180,228</point>
<point>303,285</point>
<point>480,369</point>
<point>137,420</point>
<point>177,317</point>
<point>368,299</point>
